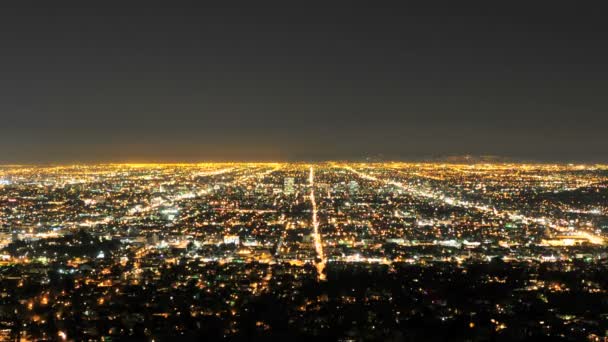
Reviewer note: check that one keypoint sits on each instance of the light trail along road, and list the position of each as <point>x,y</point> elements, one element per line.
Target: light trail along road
<point>321,260</point>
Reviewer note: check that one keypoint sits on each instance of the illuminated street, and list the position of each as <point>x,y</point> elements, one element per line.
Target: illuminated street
<point>320,264</point>
<point>217,240</point>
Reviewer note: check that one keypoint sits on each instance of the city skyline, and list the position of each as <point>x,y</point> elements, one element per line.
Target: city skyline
<point>357,171</point>
<point>267,251</point>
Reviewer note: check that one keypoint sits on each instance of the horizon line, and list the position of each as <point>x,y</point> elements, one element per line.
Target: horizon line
<point>411,161</point>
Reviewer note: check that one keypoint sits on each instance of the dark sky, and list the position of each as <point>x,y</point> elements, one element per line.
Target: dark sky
<point>303,81</point>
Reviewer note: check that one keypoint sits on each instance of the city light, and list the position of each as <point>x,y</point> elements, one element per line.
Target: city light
<point>85,243</point>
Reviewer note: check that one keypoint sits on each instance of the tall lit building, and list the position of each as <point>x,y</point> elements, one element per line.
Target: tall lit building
<point>153,239</point>
<point>353,187</point>
<point>288,186</point>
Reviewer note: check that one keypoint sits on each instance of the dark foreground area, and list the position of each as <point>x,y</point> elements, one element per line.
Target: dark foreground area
<point>243,301</point>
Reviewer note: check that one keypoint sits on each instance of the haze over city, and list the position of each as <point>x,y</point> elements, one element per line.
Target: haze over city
<point>196,82</point>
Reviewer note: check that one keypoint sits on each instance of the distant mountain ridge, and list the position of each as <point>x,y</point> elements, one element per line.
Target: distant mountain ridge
<point>472,159</point>
<point>455,159</point>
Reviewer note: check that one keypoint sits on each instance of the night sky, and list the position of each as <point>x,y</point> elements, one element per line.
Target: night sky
<point>304,81</point>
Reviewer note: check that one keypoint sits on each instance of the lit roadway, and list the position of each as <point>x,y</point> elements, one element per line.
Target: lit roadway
<point>594,239</point>
<point>321,259</point>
